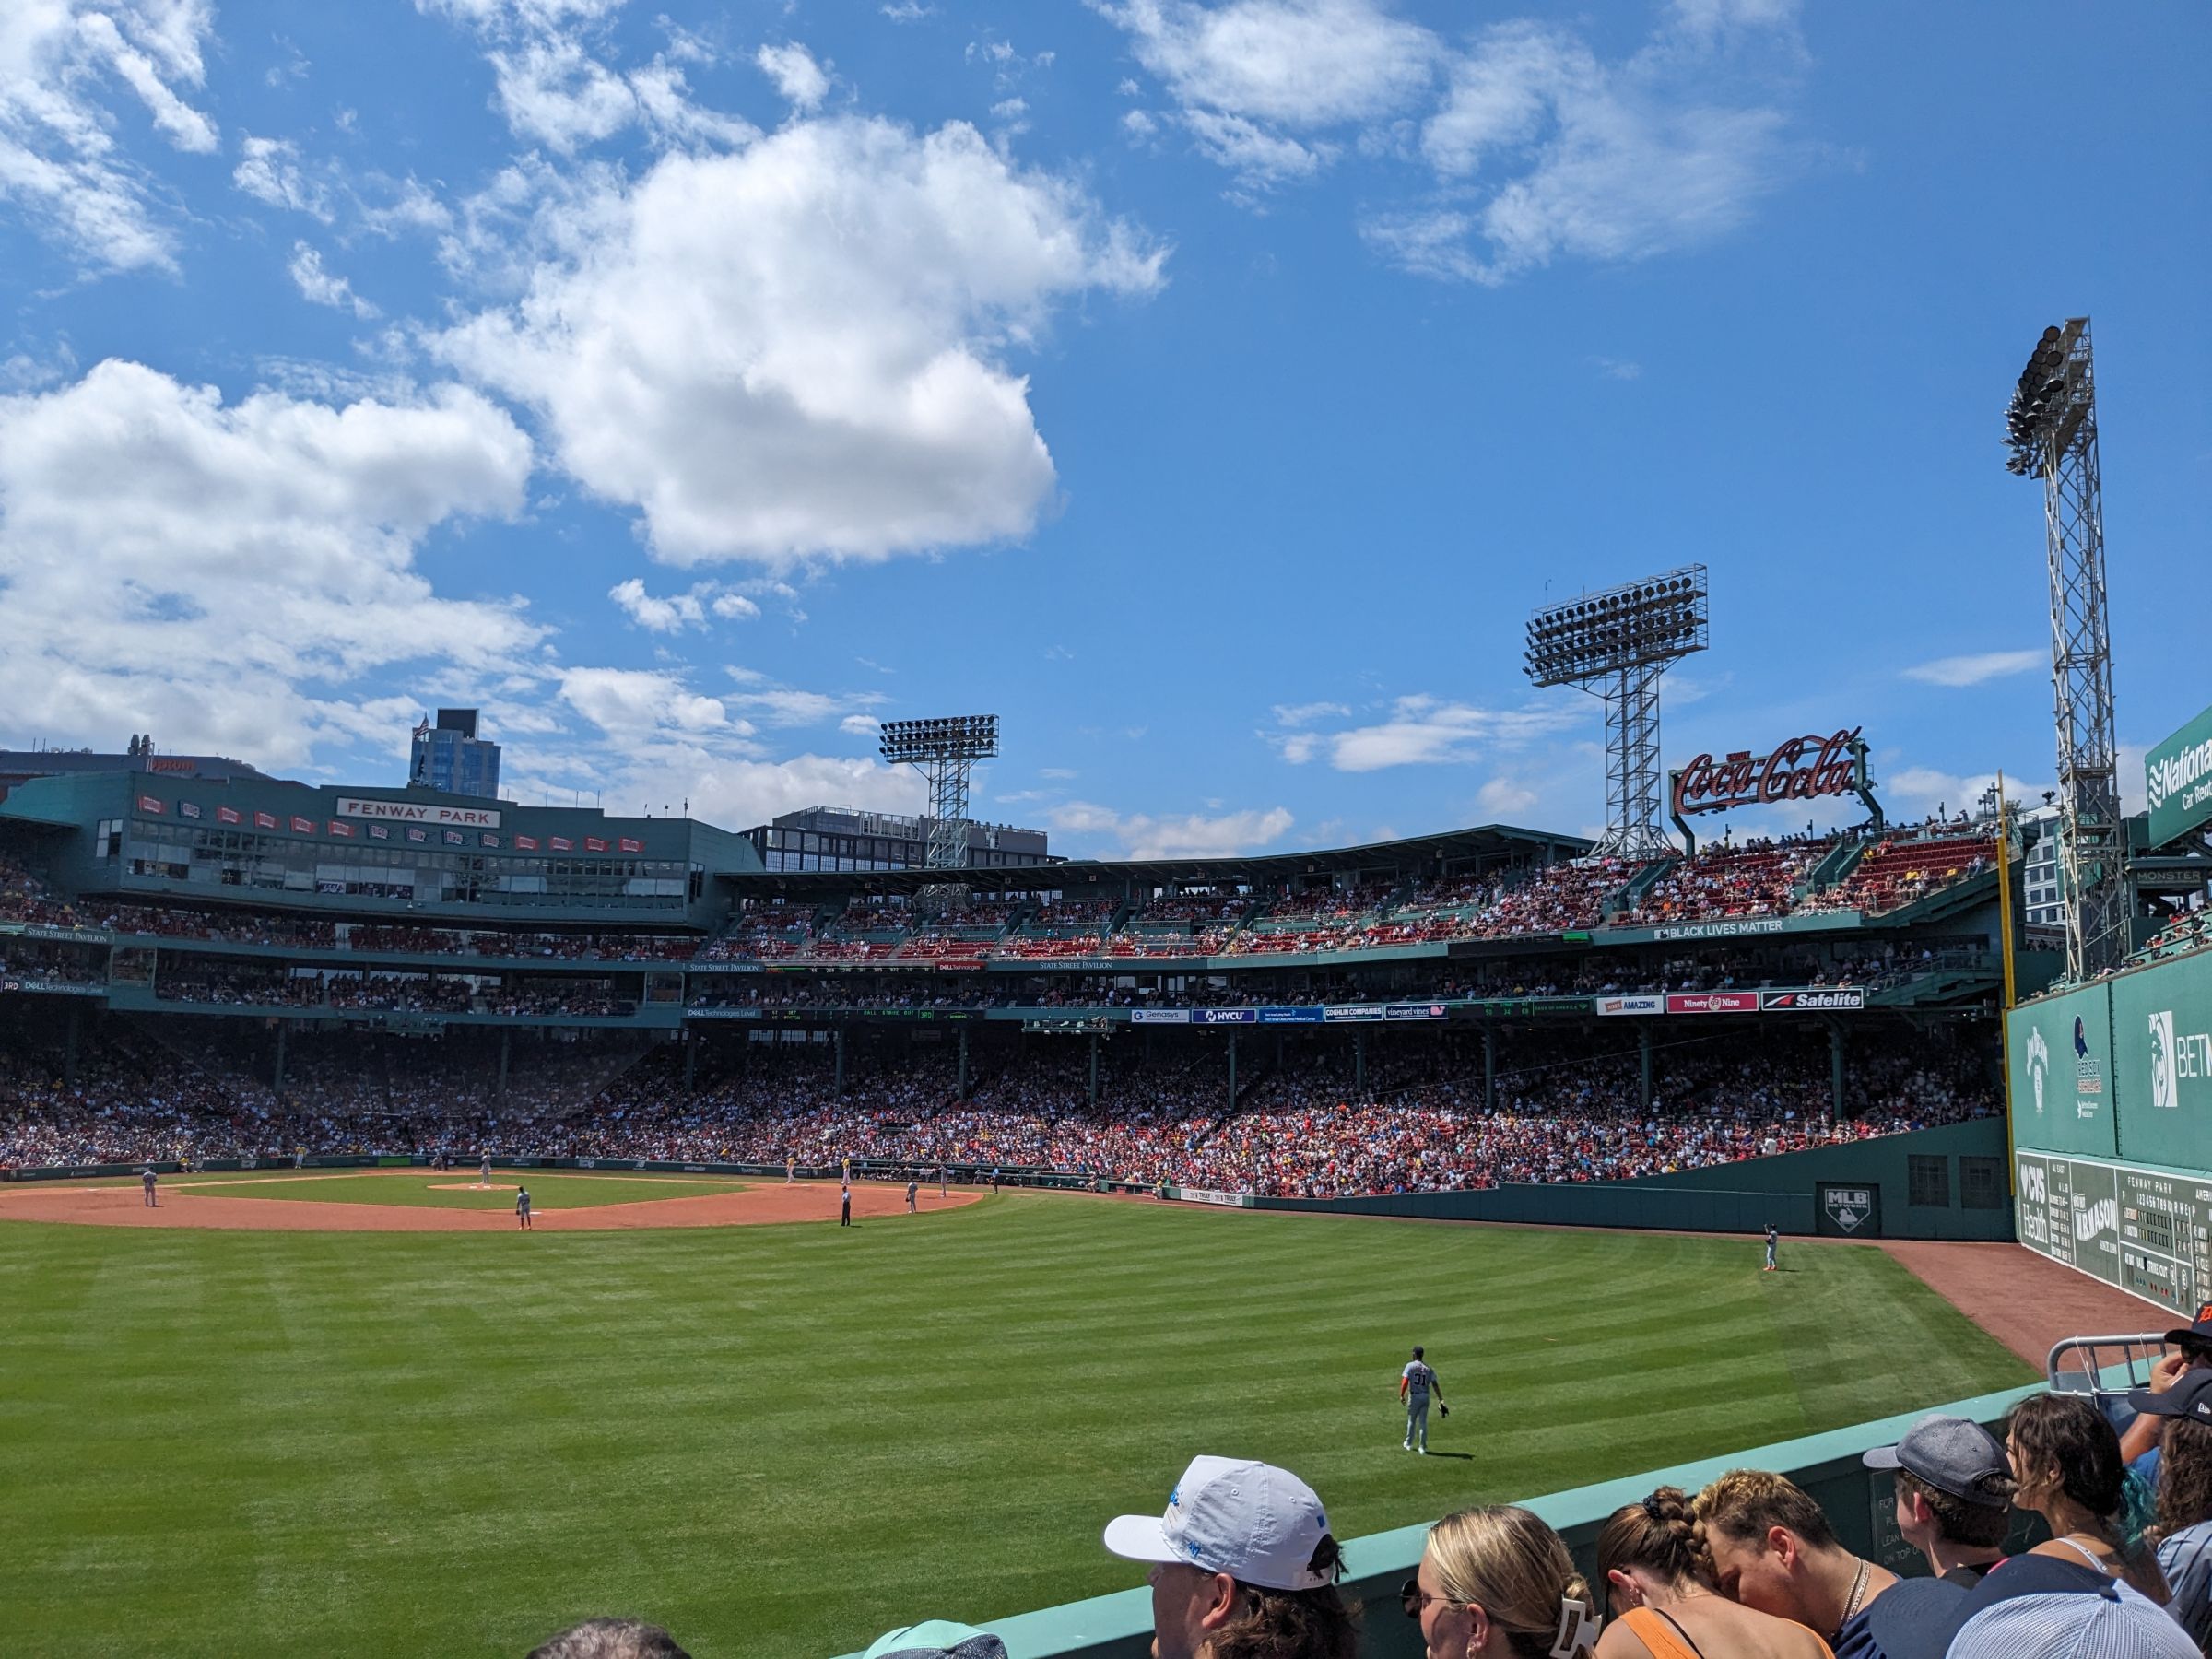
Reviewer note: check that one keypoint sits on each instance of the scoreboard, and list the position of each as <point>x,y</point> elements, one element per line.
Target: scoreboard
<point>2149,1233</point>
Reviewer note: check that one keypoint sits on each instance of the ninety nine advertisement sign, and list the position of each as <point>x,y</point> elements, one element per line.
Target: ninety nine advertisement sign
<point>1714,1002</point>
<point>1654,1004</point>
<point>2178,776</point>
<point>1811,1002</point>
<point>418,812</point>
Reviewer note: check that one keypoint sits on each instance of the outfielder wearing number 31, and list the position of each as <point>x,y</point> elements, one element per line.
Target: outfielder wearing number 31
<point>1415,1384</point>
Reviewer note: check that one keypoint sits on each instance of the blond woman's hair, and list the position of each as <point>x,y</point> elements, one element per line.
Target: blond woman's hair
<point>1516,1568</point>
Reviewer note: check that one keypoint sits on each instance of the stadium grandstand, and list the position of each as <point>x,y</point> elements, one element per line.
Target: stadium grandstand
<point>228,966</point>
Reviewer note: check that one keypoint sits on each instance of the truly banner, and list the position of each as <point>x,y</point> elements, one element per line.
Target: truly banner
<point>2177,775</point>
<point>1651,1004</point>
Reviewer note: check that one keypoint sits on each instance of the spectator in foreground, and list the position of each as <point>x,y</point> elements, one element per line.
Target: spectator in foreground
<point>1770,1547</point>
<point>2184,1512</point>
<point>1661,1609</point>
<point>610,1639</point>
<point>937,1638</point>
<point>1953,1495</point>
<point>2028,1607</point>
<point>1498,1583</point>
<point>1244,1565</point>
<point>2066,1469</point>
<point>2192,1354</point>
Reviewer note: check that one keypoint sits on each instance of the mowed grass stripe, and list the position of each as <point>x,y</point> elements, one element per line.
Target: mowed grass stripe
<point>783,1439</point>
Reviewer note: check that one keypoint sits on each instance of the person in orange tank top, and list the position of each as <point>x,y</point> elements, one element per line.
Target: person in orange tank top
<point>1664,1608</point>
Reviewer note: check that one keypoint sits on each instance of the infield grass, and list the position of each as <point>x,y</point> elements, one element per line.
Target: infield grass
<point>457,1189</point>
<point>782,1440</point>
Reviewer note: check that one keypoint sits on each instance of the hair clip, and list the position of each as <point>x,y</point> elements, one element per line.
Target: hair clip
<point>1578,1629</point>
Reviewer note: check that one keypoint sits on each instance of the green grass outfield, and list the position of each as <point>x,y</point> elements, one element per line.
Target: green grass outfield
<point>782,1441</point>
<point>457,1189</point>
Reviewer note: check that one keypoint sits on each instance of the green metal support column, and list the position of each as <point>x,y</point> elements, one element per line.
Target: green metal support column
<point>838,1038</point>
<point>1835,1070</point>
<point>506,1039</point>
<point>963,1094</point>
<point>276,1083</point>
<point>1360,1062</point>
<point>1232,1071</point>
<point>1094,1070</point>
<point>1643,1056</point>
<point>1489,1067</point>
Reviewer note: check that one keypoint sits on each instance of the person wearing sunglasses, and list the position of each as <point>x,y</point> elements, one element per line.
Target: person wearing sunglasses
<point>1498,1583</point>
<point>1662,1606</point>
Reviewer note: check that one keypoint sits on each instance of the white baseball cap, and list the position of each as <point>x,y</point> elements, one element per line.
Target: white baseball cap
<point>1260,1524</point>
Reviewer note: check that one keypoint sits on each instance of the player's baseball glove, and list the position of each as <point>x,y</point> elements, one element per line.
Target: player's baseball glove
<point>1443,1409</point>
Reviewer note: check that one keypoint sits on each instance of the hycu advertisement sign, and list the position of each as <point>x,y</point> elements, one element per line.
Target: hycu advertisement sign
<point>2178,780</point>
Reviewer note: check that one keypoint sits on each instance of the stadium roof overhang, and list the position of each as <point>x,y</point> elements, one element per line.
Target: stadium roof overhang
<point>1488,844</point>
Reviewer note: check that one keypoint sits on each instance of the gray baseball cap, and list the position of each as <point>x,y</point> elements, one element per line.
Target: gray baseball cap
<point>1953,1454</point>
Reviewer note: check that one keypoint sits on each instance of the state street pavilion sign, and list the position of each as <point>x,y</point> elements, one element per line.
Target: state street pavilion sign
<point>1804,769</point>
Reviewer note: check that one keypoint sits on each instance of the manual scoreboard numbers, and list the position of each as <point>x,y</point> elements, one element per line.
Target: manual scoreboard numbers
<point>2148,1232</point>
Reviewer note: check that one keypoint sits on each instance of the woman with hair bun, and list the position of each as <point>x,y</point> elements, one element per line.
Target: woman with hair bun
<point>2066,1469</point>
<point>1498,1583</point>
<point>1662,1605</point>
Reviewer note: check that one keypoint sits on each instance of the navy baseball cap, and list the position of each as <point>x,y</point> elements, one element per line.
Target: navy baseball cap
<point>2191,1397</point>
<point>1919,1617</point>
<point>2195,1336</point>
<point>1953,1454</point>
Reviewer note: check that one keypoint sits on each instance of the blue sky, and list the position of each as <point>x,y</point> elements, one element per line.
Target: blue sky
<point>1210,389</point>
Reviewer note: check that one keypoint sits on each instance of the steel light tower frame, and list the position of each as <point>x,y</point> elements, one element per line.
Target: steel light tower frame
<point>1615,644</point>
<point>946,749</point>
<point>2051,430</point>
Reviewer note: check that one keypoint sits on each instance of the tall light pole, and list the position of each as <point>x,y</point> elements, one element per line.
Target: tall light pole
<point>1615,644</point>
<point>946,749</point>
<point>2051,430</point>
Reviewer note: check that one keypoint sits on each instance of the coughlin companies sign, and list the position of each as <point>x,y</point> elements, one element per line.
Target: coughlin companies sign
<point>2177,777</point>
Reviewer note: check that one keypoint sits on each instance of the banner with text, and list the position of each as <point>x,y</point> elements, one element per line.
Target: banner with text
<point>2178,778</point>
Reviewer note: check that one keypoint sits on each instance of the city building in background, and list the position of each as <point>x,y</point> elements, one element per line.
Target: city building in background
<point>20,766</point>
<point>450,757</point>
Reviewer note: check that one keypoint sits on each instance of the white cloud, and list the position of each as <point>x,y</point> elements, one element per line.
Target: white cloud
<point>1974,670</point>
<point>1546,149</point>
<point>788,706</point>
<point>1192,835</point>
<point>797,77</point>
<point>859,725</point>
<point>1502,797</point>
<point>734,608</point>
<point>1293,63</point>
<point>554,92</point>
<point>62,162</point>
<point>673,613</point>
<point>1422,730</point>
<point>907,11</point>
<point>269,170</point>
<point>239,578</point>
<point>1619,369</point>
<point>1256,154</point>
<point>1138,124</point>
<point>1915,791</point>
<point>630,704</point>
<point>1295,714</point>
<point>320,286</point>
<point>796,351</point>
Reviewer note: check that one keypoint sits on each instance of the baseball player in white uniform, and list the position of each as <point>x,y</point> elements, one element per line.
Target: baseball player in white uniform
<point>1415,1384</point>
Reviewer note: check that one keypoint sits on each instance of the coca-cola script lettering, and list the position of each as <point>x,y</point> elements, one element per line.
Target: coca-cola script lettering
<point>1804,769</point>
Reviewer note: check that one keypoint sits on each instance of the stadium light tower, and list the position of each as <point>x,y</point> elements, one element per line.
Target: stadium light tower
<point>1615,644</point>
<point>946,749</point>
<point>2051,432</point>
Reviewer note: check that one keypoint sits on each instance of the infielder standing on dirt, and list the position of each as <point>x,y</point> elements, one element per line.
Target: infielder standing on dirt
<point>1416,1383</point>
<point>483,1171</point>
<point>146,1179</point>
<point>522,1207</point>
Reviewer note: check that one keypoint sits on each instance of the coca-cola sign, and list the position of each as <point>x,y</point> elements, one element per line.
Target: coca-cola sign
<point>1804,769</point>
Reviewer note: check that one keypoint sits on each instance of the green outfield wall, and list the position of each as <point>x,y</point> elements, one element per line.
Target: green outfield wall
<point>1859,1502</point>
<point>1946,1183</point>
<point>2112,1120</point>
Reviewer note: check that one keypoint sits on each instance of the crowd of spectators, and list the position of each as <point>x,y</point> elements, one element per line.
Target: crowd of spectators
<point>1724,881</point>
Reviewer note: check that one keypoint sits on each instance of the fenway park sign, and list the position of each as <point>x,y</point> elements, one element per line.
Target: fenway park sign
<point>1804,769</point>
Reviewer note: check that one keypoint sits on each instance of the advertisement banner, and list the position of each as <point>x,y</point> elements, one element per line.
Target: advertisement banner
<point>1653,1002</point>
<point>1723,930</point>
<point>344,831</point>
<point>1415,1011</point>
<point>1811,1002</point>
<point>229,815</point>
<point>1159,1017</point>
<point>417,834</point>
<point>628,844</point>
<point>2162,1050</point>
<point>592,844</point>
<point>264,821</point>
<point>1225,1017</point>
<point>1714,1002</point>
<point>379,832</point>
<point>1204,1196</point>
<point>153,808</point>
<point>2178,776</point>
<point>303,826</point>
<point>417,812</point>
<point>1290,1016</point>
<point>1351,1013</point>
<point>2059,1058</point>
<point>526,843</point>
